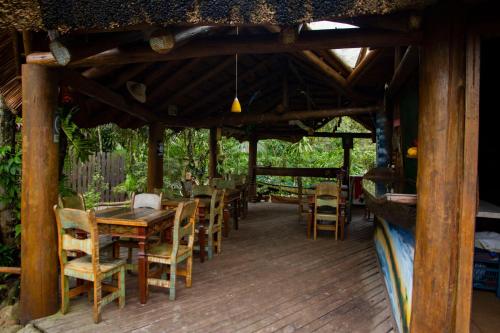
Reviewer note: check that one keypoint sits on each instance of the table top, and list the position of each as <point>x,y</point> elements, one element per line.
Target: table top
<point>138,217</point>
<point>203,202</point>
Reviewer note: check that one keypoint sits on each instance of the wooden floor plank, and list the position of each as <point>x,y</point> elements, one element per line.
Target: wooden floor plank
<point>269,278</point>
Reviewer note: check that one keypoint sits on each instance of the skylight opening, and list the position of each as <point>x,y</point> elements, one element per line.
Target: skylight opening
<point>349,56</point>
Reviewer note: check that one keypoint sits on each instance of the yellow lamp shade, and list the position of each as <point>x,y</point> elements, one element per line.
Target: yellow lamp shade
<point>236,107</point>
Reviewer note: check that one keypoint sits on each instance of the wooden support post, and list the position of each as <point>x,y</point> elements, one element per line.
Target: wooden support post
<point>447,171</point>
<point>155,157</point>
<point>39,264</point>
<point>252,165</point>
<point>212,162</point>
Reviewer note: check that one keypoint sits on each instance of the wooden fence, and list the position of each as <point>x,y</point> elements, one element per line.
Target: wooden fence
<point>112,169</point>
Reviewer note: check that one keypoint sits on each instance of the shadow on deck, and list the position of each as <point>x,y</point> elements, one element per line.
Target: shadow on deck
<point>269,278</point>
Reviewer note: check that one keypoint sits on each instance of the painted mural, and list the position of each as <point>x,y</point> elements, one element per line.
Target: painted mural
<point>395,247</point>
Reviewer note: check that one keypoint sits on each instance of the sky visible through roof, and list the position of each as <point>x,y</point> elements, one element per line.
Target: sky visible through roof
<point>349,56</point>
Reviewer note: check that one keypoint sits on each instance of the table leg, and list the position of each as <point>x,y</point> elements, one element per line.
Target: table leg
<point>225,227</point>
<point>235,214</point>
<point>202,242</point>
<point>143,272</point>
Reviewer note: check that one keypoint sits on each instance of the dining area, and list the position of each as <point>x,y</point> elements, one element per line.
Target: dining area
<point>152,238</point>
<point>253,285</point>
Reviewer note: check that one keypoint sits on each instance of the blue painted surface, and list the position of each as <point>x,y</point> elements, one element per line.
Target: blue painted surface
<point>395,248</point>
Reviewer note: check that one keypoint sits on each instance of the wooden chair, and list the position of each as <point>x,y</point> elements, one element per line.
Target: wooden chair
<point>72,201</point>
<point>215,223</point>
<point>175,253</point>
<point>142,200</point>
<point>89,267</point>
<point>326,208</point>
<point>202,191</point>
<point>77,201</point>
<point>242,184</point>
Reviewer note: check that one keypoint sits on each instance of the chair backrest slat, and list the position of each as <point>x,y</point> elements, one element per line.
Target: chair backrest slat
<point>70,243</point>
<point>327,196</point>
<point>72,201</point>
<point>184,224</point>
<point>147,200</point>
<point>68,219</point>
<point>216,208</point>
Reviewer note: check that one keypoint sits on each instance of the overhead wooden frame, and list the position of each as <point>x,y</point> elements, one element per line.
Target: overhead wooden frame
<point>267,117</point>
<point>105,95</point>
<point>244,44</point>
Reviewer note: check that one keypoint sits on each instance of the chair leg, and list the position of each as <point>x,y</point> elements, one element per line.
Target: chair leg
<point>64,294</point>
<point>173,273</point>
<point>336,229</point>
<point>210,246</point>
<point>97,300</point>
<point>121,286</point>
<point>308,226</point>
<point>219,241</point>
<point>189,271</point>
<point>315,229</point>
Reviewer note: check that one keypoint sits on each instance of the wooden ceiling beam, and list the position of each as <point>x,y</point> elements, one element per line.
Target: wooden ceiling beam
<point>215,94</point>
<point>337,80</point>
<point>160,90</point>
<point>65,51</point>
<point>128,74</point>
<point>202,79</point>
<point>105,95</point>
<point>288,133</point>
<point>159,72</point>
<point>368,61</point>
<point>98,72</point>
<point>264,118</point>
<point>406,67</point>
<point>244,44</point>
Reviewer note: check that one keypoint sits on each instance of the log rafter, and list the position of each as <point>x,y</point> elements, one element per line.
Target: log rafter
<point>244,44</point>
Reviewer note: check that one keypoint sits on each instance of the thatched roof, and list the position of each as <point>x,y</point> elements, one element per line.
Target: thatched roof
<point>110,14</point>
<point>10,83</point>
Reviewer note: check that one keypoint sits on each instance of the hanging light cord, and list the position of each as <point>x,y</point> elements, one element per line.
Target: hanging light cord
<point>236,58</point>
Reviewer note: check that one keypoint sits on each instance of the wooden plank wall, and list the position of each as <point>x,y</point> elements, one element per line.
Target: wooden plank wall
<point>112,168</point>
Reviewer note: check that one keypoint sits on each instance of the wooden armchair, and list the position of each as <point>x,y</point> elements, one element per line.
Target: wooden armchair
<point>142,200</point>
<point>89,267</point>
<point>77,201</point>
<point>175,253</point>
<point>326,208</point>
<point>215,223</point>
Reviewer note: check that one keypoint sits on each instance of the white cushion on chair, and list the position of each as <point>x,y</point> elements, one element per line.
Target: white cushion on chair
<point>148,200</point>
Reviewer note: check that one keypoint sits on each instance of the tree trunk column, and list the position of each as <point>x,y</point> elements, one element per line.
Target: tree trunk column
<point>212,162</point>
<point>252,164</point>
<point>155,157</point>
<point>440,181</point>
<point>39,264</point>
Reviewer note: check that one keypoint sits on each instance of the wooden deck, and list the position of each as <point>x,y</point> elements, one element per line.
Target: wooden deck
<point>269,278</point>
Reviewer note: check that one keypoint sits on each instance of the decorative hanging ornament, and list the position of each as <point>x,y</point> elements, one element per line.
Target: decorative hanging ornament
<point>236,106</point>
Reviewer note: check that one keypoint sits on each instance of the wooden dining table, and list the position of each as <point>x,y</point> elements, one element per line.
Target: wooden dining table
<point>137,224</point>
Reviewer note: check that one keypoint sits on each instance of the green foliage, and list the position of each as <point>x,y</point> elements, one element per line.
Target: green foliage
<point>79,146</point>
<point>9,255</point>
<point>93,195</point>
<point>10,180</point>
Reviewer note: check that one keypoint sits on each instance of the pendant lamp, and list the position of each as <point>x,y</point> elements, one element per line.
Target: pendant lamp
<point>236,106</point>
